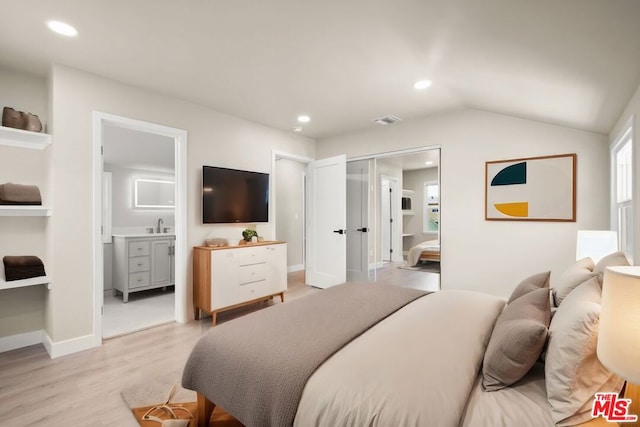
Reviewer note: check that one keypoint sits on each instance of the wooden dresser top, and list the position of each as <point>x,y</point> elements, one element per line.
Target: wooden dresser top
<point>248,245</point>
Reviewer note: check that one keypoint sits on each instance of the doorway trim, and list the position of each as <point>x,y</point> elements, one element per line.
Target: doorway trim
<point>180,137</point>
<point>384,154</point>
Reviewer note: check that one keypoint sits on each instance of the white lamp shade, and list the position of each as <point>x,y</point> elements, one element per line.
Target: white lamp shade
<point>596,244</point>
<point>619,333</point>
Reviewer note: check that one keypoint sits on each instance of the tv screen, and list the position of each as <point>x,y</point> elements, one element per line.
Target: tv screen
<point>232,196</point>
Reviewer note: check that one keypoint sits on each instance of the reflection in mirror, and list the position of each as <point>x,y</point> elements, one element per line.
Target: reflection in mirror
<point>431,210</point>
<point>415,221</point>
<point>154,193</point>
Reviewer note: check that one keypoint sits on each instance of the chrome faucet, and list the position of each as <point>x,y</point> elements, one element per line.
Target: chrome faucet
<point>160,223</point>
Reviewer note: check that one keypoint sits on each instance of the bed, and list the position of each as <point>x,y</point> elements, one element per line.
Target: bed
<point>425,251</point>
<point>364,354</point>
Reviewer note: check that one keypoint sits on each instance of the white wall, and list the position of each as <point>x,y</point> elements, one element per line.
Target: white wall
<point>413,224</point>
<point>123,214</point>
<point>632,112</point>
<point>290,209</point>
<point>22,309</point>
<point>213,138</point>
<point>493,256</point>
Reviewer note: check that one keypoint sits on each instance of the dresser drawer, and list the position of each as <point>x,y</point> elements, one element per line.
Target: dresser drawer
<point>138,248</point>
<point>252,273</point>
<point>138,280</point>
<point>251,256</point>
<point>253,290</point>
<point>139,263</point>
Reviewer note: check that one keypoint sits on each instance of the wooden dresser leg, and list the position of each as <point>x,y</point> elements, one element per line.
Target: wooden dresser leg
<point>205,409</point>
<point>214,318</point>
<point>196,313</point>
<point>281,296</point>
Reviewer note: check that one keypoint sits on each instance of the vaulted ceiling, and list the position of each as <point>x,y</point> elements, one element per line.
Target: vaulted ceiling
<point>346,62</point>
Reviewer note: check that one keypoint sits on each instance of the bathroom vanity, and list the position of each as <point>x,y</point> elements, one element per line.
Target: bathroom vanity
<point>142,262</point>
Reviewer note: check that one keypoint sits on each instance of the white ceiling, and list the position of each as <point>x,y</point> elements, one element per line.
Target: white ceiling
<point>346,62</point>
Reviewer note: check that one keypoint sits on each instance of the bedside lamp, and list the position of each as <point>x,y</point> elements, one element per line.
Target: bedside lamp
<point>596,244</point>
<point>619,330</point>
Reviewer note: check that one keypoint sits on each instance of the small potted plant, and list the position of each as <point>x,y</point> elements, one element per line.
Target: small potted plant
<point>248,234</point>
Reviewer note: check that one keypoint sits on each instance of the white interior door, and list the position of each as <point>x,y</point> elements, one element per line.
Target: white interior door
<point>358,230</point>
<point>326,222</point>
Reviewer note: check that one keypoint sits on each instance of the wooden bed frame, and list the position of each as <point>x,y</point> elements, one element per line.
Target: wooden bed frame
<point>205,409</point>
<point>430,255</point>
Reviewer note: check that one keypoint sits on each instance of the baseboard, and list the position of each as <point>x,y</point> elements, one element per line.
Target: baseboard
<point>375,265</point>
<point>26,339</point>
<point>73,345</point>
<point>292,268</point>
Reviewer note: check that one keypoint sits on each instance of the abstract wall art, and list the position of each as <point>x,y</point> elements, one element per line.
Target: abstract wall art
<point>531,189</point>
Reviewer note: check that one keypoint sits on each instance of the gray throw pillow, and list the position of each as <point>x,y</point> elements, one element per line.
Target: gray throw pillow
<point>532,283</point>
<point>517,340</point>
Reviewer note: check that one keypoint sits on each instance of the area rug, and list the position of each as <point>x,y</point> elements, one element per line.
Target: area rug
<point>141,397</point>
<point>429,267</point>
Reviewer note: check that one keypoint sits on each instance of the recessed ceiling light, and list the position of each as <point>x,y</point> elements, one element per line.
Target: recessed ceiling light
<point>297,129</point>
<point>422,84</point>
<point>303,118</point>
<point>62,28</point>
<point>428,163</point>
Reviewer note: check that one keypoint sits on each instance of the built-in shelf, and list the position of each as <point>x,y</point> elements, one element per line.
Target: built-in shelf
<point>407,234</point>
<point>407,191</point>
<point>408,213</point>
<point>24,138</point>
<point>22,210</point>
<point>34,281</point>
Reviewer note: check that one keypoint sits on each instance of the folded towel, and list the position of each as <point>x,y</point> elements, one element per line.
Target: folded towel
<point>2,202</point>
<point>22,267</point>
<point>19,194</point>
<point>21,261</point>
<point>19,275</point>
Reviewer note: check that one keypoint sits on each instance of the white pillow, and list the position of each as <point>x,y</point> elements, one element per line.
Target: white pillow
<point>572,370</point>
<point>571,278</point>
<point>612,260</point>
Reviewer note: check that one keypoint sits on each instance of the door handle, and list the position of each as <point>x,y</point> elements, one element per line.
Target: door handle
<point>363,229</point>
<point>341,231</point>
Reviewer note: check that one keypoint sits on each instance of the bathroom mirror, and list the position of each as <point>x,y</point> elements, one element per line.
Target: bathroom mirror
<point>154,193</point>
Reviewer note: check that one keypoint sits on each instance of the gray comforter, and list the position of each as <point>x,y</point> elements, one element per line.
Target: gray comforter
<point>256,367</point>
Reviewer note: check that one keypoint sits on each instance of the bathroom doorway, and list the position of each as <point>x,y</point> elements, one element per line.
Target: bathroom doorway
<point>142,282</point>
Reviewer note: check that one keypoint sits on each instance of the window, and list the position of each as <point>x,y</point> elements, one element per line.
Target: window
<point>622,175</point>
<point>431,220</point>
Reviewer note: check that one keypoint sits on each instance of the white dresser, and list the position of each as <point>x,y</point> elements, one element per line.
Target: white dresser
<point>142,262</point>
<point>232,276</point>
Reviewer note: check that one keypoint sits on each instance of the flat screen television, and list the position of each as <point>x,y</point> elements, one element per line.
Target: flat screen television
<point>234,196</point>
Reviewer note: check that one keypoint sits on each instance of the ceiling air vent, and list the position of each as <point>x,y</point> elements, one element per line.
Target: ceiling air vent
<point>386,120</point>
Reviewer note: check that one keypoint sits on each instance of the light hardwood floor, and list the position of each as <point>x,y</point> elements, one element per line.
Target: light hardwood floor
<point>83,389</point>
